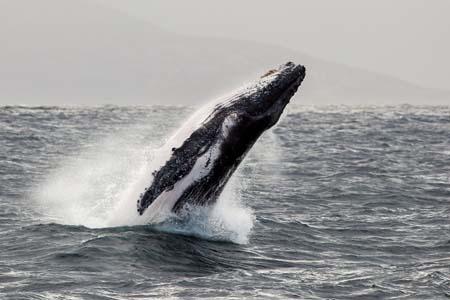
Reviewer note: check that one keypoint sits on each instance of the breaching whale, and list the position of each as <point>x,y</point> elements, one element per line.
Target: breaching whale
<point>201,165</point>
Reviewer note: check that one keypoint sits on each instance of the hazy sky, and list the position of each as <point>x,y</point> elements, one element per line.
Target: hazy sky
<point>409,39</point>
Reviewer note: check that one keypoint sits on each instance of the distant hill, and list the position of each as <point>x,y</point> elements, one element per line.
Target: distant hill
<point>77,52</point>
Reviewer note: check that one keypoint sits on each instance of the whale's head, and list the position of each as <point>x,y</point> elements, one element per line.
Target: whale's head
<point>259,105</point>
<point>264,100</point>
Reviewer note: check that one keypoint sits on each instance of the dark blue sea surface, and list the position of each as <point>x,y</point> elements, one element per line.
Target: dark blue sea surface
<point>335,202</point>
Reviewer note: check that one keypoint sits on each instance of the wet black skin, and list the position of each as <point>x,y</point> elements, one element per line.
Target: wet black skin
<point>252,115</point>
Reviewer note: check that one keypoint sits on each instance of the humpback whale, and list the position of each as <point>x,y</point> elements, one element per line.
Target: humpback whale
<point>201,165</point>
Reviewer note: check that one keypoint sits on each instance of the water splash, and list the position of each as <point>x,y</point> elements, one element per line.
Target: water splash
<point>85,188</point>
<point>227,220</point>
<point>99,187</point>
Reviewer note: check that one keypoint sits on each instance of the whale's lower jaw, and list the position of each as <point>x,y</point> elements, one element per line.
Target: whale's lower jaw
<point>199,169</point>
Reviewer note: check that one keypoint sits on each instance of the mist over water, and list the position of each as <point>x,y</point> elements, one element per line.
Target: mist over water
<point>334,202</point>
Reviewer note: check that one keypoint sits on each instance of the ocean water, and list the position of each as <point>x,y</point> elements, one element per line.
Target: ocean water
<point>335,202</point>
